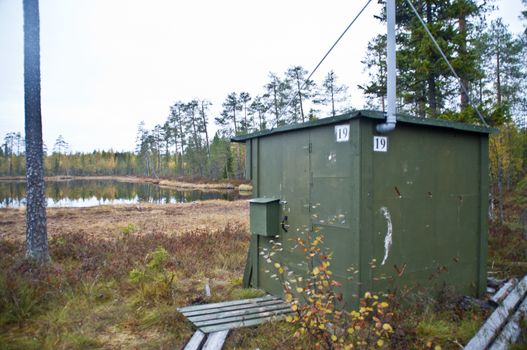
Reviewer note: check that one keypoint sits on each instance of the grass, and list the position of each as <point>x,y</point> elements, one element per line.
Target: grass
<point>88,296</point>
<point>118,274</point>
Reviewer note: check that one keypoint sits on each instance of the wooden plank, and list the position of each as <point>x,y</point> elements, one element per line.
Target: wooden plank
<point>225,303</point>
<point>196,341</point>
<point>488,331</point>
<point>216,340</point>
<point>241,312</point>
<point>239,324</point>
<point>503,292</point>
<point>231,308</point>
<point>206,311</point>
<point>511,332</point>
<point>264,314</point>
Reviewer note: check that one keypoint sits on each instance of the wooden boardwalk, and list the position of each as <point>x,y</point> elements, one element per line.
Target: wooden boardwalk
<point>502,328</point>
<point>210,318</point>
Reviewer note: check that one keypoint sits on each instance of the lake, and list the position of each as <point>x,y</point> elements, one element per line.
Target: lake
<point>88,193</point>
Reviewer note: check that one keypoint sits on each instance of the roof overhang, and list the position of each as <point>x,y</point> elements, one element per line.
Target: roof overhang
<point>403,118</point>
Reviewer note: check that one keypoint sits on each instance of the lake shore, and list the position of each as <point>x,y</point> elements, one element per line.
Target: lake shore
<point>185,183</point>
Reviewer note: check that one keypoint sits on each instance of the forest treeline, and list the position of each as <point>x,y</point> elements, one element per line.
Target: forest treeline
<point>489,59</point>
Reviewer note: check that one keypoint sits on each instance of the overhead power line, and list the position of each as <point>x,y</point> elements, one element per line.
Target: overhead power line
<point>331,49</point>
<point>336,42</point>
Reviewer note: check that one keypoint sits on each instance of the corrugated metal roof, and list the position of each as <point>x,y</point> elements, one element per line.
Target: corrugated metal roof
<point>401,118</point>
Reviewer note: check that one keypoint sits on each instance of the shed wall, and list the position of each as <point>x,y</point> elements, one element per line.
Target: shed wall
<point>429,183</point>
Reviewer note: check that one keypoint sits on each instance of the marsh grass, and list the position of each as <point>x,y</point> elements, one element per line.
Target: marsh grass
<point>120,292</point>
<point>85,299</point>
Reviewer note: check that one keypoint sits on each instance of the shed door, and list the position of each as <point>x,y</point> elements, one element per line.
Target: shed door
<point>295,197</point>
<point>330,198</point>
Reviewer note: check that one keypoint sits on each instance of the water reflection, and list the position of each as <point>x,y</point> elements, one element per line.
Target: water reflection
<point>87,193</point>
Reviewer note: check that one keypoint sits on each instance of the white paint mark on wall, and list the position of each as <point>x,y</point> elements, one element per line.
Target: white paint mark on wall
<point>332,158</point>
<point>389,230</point>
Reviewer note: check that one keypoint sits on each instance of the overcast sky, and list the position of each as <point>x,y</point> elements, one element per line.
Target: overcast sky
<point>109,64</point>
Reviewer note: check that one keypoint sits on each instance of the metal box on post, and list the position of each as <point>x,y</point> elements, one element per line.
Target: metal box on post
<point>265,216</point>
<point>400,209</point>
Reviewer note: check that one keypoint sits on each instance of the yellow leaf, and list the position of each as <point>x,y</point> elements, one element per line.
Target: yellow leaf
<point>387,327</point>
<point>299,290</point>
<point>289,319</point>
<point>334,337</point>
<point>437,347</point>
<point>380,342</point>
<point>294,307</point>
<point>288,297</point>
<point>277,265</point>
<point>316,271</point>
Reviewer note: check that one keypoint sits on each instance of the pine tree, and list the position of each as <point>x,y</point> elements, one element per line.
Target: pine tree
<point>302,90</point>
<point>59,149</point>
<point>176,121</point>
<point>246,123</point>
<point>259,108</point>
<point>332,93</point>
<point>275,98</point>
<point>36,231</point>
<point>229,120</point>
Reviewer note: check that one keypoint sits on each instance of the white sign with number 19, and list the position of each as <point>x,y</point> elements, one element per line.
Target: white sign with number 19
<point>380,144</point>
<point>342,133</point>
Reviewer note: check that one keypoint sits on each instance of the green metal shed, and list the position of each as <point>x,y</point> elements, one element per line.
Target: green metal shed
<point>412,202</point>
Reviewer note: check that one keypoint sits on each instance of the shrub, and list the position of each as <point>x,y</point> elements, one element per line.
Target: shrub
<point>318,309</point>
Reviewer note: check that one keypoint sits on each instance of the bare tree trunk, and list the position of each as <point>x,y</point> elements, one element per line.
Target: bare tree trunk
<point>431,80</point>
<point>36,232</point>
<point>300,96</point>
<point>500,193</point>
<point>498,74</point>
<point>462,24</point>
<point>204,123</point>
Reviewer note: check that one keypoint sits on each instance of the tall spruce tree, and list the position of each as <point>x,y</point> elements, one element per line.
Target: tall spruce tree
<point>425,84</point>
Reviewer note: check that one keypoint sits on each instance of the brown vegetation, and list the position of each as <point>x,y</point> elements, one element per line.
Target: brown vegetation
<point>102,288</point>
<point>118,274</point>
